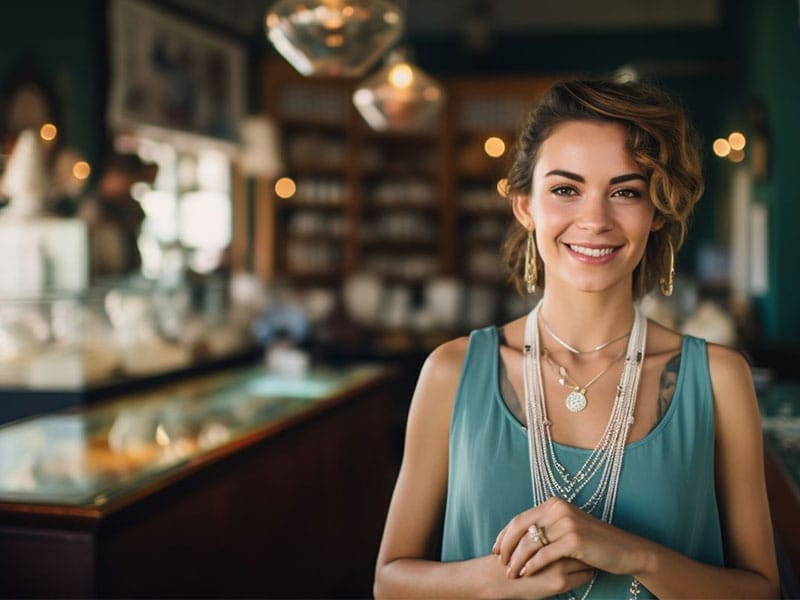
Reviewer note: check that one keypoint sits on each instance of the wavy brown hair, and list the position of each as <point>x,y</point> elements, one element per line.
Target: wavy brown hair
<point>661,141</point>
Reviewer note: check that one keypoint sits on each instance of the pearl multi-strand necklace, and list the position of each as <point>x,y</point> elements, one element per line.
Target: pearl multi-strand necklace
<point>548,476</point>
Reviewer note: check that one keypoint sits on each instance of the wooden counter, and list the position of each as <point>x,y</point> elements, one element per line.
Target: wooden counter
<point>291,508</point>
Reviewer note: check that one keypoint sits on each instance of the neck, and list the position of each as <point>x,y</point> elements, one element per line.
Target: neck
<point>585,320</point>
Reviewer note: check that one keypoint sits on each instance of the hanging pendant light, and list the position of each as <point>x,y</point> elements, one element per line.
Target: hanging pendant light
<point>399,97</point>
<point>333,37</point>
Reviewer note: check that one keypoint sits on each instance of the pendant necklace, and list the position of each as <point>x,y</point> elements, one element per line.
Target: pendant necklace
<point>576,400</point>
<point>599,475</point>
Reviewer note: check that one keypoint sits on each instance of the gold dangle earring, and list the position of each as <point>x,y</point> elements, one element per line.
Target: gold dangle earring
<point>666,283</point>
<point>531,270</point>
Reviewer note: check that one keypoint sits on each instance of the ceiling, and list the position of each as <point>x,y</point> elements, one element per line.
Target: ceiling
<point>444,17</point>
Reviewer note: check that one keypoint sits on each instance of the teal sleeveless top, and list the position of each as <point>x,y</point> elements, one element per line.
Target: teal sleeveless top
<point>666,489</point>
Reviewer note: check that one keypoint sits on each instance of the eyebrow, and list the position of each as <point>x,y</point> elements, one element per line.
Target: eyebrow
<point>612,181</point>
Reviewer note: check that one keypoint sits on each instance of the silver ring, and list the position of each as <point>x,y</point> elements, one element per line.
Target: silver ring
<point>535,533</point>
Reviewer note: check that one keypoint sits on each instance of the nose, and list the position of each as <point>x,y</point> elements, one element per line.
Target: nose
<point>595,213</point>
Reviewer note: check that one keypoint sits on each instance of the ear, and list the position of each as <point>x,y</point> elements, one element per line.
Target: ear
<point>521,205</point>
<point>658,222</point>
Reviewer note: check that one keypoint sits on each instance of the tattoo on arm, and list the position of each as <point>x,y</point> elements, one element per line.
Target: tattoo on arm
<point>666,389</point>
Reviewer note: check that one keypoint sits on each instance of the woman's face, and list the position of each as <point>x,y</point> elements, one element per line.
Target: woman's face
<point>590,207</point>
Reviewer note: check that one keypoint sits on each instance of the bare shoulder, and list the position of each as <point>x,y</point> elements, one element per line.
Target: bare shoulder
<point>446,361</point>
<point>731,379</point>
<point>438,379</point>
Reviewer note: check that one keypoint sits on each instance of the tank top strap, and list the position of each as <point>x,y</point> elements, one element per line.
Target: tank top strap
<point>476,380</point>
<point>689,421</point>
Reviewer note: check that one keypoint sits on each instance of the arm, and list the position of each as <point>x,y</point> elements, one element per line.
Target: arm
<point>742,498</point>
<point>741,492</point>
<point>404,568</point>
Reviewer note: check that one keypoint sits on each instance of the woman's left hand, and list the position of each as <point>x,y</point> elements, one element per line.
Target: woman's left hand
<point>567,532</point>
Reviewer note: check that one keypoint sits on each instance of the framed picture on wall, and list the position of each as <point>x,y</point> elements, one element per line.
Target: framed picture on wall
<point>172,74</point>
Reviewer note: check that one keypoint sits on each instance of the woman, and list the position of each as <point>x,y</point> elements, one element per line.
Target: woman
<point>582,449</point>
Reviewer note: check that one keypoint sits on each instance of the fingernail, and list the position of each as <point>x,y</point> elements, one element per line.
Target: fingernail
<point>508,573</point>
<point>522,571</point>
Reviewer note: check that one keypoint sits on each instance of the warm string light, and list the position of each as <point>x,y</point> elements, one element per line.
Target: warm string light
<point>731,147</point>
<point>81,170</point>
<point>494,147</point>
<point>48,132</point>
<point>285,187</point>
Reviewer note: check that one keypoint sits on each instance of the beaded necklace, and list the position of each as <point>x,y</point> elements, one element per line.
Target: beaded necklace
<point>548,476</point>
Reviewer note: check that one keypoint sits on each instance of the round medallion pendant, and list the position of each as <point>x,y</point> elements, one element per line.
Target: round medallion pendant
<point>576,401</point>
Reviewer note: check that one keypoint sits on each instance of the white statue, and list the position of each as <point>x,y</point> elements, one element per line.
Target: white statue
<point>26,181</point>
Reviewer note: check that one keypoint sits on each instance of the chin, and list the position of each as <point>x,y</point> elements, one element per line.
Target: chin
<point>597,286</point>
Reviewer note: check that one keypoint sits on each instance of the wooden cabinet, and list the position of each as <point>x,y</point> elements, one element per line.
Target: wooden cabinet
<point>401,206</point>
<point>314,228</point>
<point>406,207</point>
<point>303,466</point>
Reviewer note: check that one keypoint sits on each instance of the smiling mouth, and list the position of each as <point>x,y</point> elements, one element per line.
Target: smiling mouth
<point>592,252</point>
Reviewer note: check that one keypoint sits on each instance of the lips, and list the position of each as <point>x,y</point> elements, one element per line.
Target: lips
<point>592,253</point>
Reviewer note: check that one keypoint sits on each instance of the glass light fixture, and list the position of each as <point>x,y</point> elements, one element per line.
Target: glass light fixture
<point>333,37</point>
<point>399,97</point>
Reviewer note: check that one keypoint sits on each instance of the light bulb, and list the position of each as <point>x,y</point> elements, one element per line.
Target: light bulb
<point>333,37</point>
<point>401,76</point>
<point>721,147</point>
<point>737,140</point>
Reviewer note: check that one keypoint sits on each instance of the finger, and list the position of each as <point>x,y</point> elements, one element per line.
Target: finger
<point>524,550</point>
<point>498,540</point>
<point>514,532</point>
<point>528,547</point>
<point>543,558</point>
<point>571,565</point>
<point>518,526</point>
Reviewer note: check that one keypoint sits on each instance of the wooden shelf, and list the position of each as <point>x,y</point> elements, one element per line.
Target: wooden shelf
<point>389,171</point>
<point>295,204</point>
<point>322,237</point>
<point>320,125</point>
<point>373,208</point>
<point>410,243</point>
<point>447,161</point>
<point>399,137</point>
<point>315,169</point>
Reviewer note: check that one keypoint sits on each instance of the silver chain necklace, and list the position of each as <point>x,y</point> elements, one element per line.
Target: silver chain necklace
<point>573,349</point>
<point>548,476</point>
<point>577,400</point>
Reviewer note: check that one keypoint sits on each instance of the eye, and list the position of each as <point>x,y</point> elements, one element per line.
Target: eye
<point>629,193</point>
<point>564,190</point>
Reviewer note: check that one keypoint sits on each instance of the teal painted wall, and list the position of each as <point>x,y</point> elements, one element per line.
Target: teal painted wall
<point>773,75</point>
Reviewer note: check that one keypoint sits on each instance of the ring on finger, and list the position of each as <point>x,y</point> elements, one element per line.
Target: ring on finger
<point>537,535</point>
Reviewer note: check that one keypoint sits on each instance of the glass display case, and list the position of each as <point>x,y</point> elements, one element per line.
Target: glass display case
<point>94,456</point>
<point>65,349</point>
<point>195,489</point>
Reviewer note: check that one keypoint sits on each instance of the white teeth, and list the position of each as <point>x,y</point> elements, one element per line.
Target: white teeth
<point>593,252</point>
